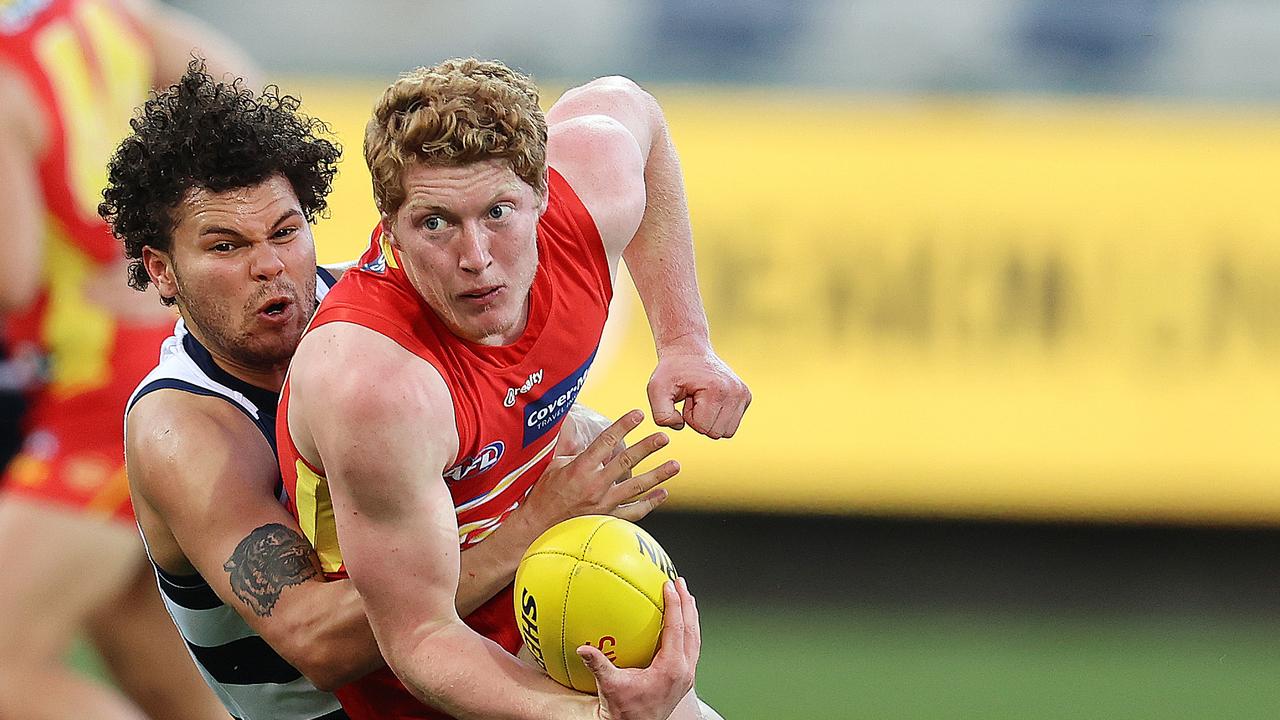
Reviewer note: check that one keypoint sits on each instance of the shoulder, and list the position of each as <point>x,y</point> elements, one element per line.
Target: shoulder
<point>172,436</point>
<point>592,144</point>
<point>365,373</point>
<point>361,405</point>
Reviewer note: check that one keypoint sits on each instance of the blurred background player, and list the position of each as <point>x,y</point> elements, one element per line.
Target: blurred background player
<point>71,71</point>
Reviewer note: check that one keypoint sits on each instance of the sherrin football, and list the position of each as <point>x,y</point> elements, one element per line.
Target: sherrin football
<point>594,579</point>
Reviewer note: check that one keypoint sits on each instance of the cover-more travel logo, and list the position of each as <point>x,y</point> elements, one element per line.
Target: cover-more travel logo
<point>542,414</point>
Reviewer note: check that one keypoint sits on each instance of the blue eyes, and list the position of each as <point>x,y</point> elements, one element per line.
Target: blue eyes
<point>436,223</point>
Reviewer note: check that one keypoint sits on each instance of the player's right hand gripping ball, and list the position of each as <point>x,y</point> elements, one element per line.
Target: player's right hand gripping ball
<point>594,579</point>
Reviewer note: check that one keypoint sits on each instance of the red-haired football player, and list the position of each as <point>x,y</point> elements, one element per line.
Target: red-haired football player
<point>492,271</point>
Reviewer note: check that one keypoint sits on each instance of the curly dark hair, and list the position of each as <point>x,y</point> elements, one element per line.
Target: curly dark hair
<point>218,136</point>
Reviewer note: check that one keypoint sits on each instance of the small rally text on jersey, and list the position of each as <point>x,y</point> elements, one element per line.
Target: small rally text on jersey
<point>534,378</point>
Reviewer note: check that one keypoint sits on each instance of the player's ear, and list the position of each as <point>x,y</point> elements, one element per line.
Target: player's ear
<point>387,233</point>
<point>159,265</point>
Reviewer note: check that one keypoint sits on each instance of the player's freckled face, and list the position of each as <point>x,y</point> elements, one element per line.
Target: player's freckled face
<point>467,238</point>
<point>243,272</point>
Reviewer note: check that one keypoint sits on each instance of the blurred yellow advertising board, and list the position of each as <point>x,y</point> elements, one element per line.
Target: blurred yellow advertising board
<point>964,308</point>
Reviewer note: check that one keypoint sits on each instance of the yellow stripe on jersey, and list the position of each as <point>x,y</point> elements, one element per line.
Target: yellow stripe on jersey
<point>78,333</point>
<point>315,515</point>
<point>507,481</point>
<point>101,97</point>
<point>387,254</point>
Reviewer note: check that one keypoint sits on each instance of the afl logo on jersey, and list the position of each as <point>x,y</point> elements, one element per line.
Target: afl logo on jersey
<point>488,456</point>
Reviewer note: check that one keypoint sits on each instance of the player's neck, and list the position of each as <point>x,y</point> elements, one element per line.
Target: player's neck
<point>268,377</point>
<point>271,379</point>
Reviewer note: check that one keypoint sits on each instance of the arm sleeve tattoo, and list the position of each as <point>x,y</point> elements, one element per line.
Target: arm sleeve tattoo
<point>268,560</point>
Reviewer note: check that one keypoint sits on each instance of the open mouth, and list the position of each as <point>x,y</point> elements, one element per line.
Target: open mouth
<point>275,307</point>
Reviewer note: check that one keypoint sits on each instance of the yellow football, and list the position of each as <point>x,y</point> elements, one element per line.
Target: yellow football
<point>593,580</point>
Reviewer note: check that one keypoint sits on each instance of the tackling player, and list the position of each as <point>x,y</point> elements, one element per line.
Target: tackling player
<point>70,73</point>
<point>214,189</point>
<point>491,272</point>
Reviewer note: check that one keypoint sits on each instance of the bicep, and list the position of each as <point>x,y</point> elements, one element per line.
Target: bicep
<point>214,488</point>
<point>399,541</point>
<point>602,162</point>
<point>383,438</point>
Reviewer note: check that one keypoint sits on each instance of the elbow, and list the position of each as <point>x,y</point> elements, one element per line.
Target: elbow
<point>400,655</point>
<point>430,646</point>
<point>330,662</point>
<point>615,85</point>
<point>325,680</point>
<point>326,661</point>
<point>329,666</point>
<point>619,91</point>
<point>614,95</point>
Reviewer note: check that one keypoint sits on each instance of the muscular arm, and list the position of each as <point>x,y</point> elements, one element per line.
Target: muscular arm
<point>383,451</point>
<point>610,140</point>
<point>644,185</point>
<point>203,479</point>
<point>22,138</point>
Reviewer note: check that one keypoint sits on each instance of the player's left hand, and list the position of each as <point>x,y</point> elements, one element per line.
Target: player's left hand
<point>714,398</point>
<point>655,691</point>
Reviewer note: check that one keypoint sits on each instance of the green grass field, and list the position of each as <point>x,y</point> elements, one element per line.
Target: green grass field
<point>771,663</point>
<point>834,663</point>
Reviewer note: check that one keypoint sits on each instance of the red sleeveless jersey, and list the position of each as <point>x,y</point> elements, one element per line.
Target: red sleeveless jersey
<point>88,63</point>
<point>508,403</point>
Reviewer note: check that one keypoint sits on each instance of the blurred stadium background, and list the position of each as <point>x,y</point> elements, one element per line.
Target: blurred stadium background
<point>1002,277</point>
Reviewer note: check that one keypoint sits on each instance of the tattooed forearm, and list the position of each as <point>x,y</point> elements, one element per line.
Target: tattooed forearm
<point>267,561</point>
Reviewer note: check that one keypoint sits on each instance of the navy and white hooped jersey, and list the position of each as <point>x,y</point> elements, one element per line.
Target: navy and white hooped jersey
<point>251,679</point>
